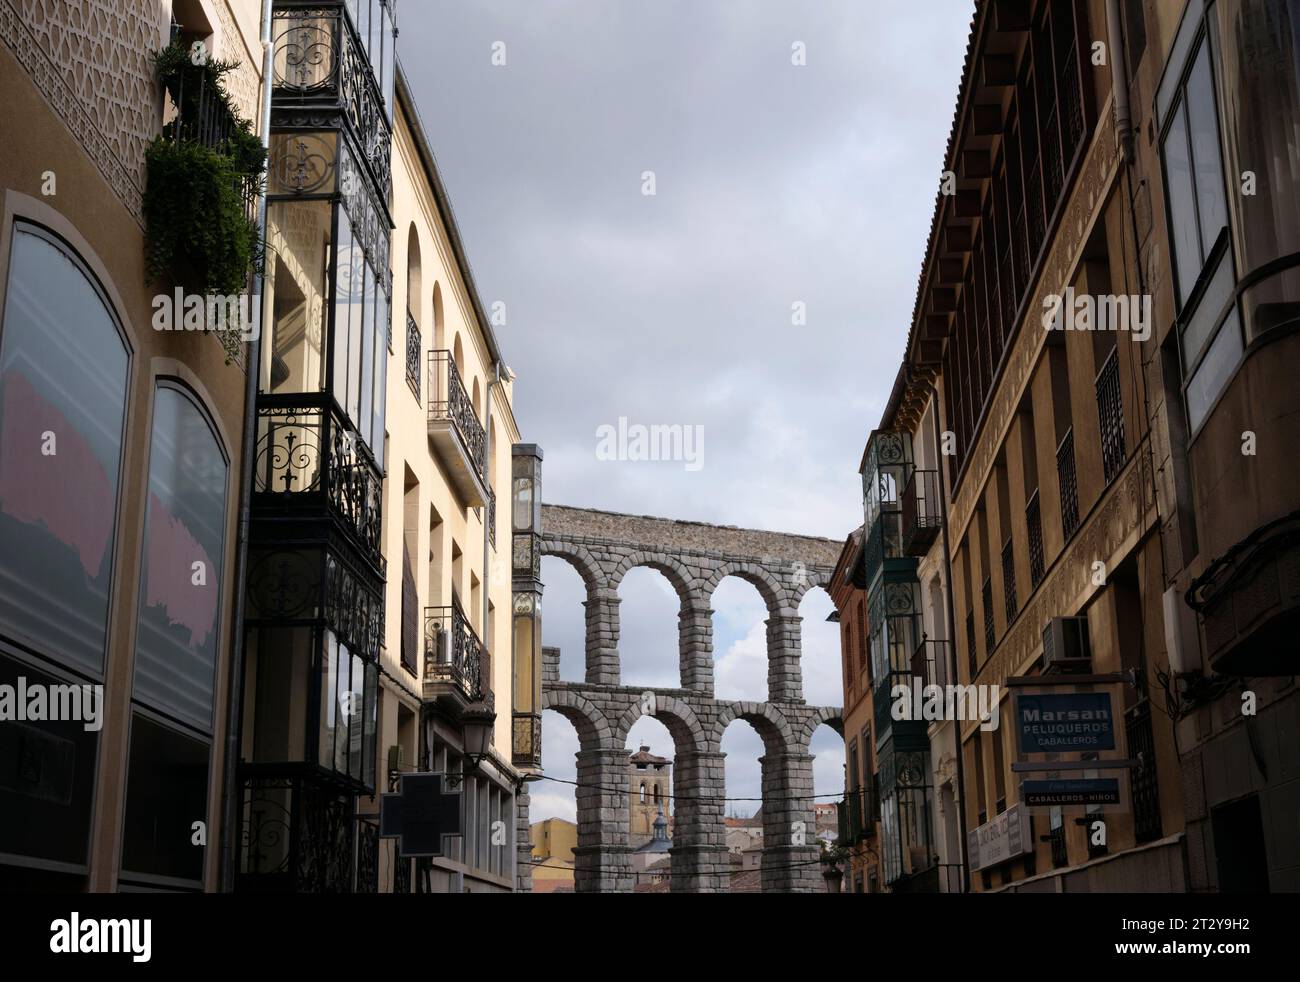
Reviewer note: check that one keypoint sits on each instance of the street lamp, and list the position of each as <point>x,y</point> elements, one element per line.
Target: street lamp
<point>477,723</point>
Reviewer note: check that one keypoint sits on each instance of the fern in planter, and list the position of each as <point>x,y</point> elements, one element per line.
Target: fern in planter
<point>198,232</point>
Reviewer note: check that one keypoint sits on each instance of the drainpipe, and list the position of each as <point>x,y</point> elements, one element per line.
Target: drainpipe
<point>487,518</point>
<point>1119,81</point>
<point>952,628</point>
<point>248,451</point>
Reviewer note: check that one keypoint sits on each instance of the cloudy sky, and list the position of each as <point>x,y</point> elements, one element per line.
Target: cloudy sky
<point>759,296</point>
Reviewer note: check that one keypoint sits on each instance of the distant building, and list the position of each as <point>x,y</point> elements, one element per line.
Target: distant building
<point>554,841</point>
<point>743,834</point>
<point>649,779</point>
<point>650,861</point>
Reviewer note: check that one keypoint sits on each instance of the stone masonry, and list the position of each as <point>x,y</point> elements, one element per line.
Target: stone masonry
<point>603,546</point>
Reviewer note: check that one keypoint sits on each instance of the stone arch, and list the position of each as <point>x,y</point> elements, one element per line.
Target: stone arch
<point>579,558</point>
<point>679,718</point>
<point>673,569</point>
<point>768,721</point>
<point>831,716</point>
<point>593,728</point>
<point>813,579</point>
<point>772,592</point>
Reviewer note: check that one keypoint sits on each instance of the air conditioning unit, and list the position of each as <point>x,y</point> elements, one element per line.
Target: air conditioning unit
<point>1182,637</point>
<point>438,648</point>
<point>1065,646</point>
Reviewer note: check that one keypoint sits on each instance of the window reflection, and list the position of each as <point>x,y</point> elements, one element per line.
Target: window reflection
<point>184,550</point>
<point>63,380</point>
<point>297,253</point>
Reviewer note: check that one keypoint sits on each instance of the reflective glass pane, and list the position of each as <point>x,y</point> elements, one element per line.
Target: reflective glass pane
<point>297,234</point>
<point>184,552</point>
<point>1214,371</point>
<point>356,310</point>
<point>1203,123</point>
<point>382,315</point>
<point>63,378</point>
<point>1258,49</point>
<point>167,792</point>
<point>365,417</point>
<point>1182,206</point>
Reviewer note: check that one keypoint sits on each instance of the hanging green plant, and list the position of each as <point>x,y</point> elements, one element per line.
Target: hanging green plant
<point>203,172</point>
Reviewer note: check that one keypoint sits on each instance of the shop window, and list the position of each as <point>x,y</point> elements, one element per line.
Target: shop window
<point>63,384</point>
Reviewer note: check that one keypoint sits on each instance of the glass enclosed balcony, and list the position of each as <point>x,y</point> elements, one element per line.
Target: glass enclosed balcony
<point>887,470</point>
<point>338,60</point>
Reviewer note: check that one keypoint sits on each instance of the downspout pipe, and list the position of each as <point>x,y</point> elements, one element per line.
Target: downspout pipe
<point>248,450</point>
<point>487,518</point>
<point>1119,81</point>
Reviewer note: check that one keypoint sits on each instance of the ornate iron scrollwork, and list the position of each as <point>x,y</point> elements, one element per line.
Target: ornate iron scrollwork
<point>288,450</point>
<point>284,584</point>
<point>306,49</point>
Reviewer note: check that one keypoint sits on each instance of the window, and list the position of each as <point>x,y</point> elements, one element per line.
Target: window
<point>184,552</point>
<point>1258,45</point>
<point>63,383</point>
<point>297,238</point>
<point>1194,176</point>
<point>167,792</point>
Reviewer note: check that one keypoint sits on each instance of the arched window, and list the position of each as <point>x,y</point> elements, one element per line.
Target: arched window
<point>656,794</point>
<point>643,792</point>
<point>184,554</point>
<point>439,338</point>
<point>64,368</point>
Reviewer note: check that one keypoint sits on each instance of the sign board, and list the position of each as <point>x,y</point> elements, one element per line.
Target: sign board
<point>1069,792</point>
<point>1076,722</point>
<point>1006,837</point>
<point>420,814</point>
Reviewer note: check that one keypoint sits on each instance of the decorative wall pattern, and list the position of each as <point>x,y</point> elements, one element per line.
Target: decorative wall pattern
<point>93,61</point>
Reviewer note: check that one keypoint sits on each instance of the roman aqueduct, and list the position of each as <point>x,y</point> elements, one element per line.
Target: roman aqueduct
<point>603,547</point>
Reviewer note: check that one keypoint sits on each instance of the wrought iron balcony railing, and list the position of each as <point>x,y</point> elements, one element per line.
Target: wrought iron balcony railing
<point>930,661</point>
<point>492,515</point>
<point>202,114</point>
<point>455,429</point>
<point>414,349</point>
<point>990,629</point>
<point>1069,485</point>
<point>308,458</point>
<point>1034,527</point>
<point>1110,414</point>
<point>1143,784</point>
<point>1009,597</point>
<point>320,64</point>
<point>972,655</point>
<point>1060,854</point>
<point>453,654</point>
<point>922,514</point>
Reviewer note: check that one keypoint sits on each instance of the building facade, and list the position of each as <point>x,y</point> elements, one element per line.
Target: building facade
<point>1220,89</point>
<point>120,449</point>
<point>1048,509</point>
<point>1092,383</point>
<point>451,430</point>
